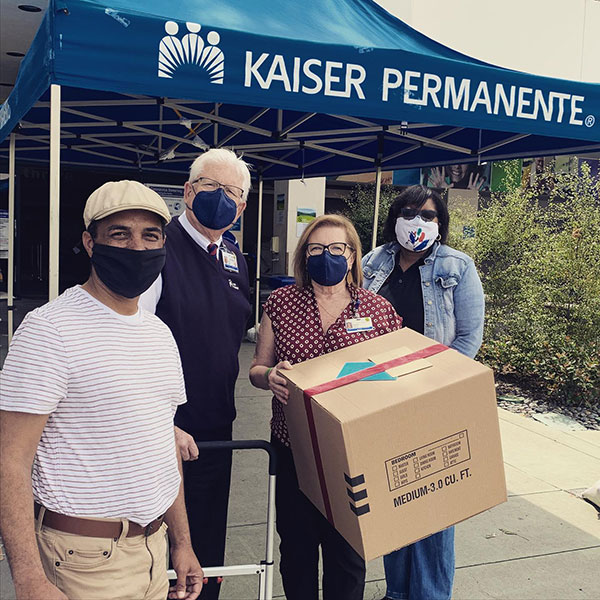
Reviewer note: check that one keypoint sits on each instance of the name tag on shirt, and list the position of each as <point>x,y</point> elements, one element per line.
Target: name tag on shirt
<point>359,324</point>
<point>230,261</point>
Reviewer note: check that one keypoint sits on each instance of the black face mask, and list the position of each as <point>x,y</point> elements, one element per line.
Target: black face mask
<point>127,272</point>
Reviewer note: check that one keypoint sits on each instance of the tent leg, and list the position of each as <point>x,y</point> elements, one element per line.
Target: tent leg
<point>376,211</point>
<point>54,191</point>
<point>258,248</point>
<point>216,128</point>
<point>11,237</point>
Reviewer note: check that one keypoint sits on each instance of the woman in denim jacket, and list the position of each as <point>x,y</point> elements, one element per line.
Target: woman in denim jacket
<point>437,291</point>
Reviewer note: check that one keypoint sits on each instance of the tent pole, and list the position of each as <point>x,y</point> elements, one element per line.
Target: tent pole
<point>54,191</point>
<point>11,236</point>
<point>216,128</point>
<point>258,248</point>
<point>376,211</point>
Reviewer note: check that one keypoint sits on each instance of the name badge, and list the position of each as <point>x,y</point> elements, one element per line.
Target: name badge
<point>359,324</point>
<point>230,261</point>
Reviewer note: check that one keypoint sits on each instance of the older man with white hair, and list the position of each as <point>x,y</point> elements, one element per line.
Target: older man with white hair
<point>202,294</point>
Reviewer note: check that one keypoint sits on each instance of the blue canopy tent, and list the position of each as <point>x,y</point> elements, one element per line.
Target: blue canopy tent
<point>303,89</point>
<point>311,60</point>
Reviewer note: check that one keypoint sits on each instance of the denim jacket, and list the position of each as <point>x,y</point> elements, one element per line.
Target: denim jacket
<point>452,293</point>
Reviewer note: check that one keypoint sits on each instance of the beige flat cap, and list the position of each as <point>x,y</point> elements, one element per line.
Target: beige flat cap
<point>116,196</point>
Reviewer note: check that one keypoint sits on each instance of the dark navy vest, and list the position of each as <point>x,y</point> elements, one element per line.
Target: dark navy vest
<point>207,308</point>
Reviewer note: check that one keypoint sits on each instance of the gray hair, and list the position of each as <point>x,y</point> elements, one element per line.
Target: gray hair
<point>224,157</point>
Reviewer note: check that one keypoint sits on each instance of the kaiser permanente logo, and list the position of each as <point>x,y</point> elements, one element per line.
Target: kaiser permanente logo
<point>345,80</point>
<point>190,51</point>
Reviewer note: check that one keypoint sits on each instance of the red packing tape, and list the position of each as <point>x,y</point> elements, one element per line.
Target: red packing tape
<point>342,381</point>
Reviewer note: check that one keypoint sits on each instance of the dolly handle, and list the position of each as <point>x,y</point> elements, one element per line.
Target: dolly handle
<point>244,445</point>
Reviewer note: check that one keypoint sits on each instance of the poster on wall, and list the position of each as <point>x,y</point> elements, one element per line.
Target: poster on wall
<point>172,195</point>
<point>461,176</point>
<point>304,216</point>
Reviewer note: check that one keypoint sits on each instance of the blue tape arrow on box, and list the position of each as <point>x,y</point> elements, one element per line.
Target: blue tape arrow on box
<point>353,367</point>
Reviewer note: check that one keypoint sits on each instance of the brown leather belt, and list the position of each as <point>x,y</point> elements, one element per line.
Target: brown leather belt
<point>93,528</point>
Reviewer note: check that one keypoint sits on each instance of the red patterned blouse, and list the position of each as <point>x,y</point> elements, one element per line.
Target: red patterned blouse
<point>299,332</point>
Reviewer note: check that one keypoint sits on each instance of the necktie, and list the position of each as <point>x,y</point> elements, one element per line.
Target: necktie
<point>212,250</point>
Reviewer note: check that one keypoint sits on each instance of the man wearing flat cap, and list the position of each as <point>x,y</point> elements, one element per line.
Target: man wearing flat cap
<point>90,475</point>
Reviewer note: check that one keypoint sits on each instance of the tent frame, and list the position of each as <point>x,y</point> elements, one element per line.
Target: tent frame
<point>282,139</point>
<point>61,135</point>
<point>11,238</point>
<point>291,131</point>
<point>53,265</point>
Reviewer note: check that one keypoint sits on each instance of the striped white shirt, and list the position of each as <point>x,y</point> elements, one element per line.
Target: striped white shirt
<point>111,385</point>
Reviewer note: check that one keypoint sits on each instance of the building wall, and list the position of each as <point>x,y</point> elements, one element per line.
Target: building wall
<point>291,198</point>
<point>556,38</point>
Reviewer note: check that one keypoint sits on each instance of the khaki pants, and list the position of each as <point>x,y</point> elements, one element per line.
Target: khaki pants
<point>89,568</point>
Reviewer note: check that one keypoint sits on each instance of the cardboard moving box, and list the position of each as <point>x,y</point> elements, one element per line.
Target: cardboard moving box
<point>407,453</point>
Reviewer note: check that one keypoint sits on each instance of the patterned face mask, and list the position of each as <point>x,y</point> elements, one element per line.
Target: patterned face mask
<point>416,234</point>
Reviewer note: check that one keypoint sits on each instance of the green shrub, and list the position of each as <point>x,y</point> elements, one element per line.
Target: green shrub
<point>540,267</point>
<point>360,205</point>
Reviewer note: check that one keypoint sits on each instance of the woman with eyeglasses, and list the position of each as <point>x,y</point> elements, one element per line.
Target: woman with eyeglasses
<point>324,311</point>
<point>437,292</point>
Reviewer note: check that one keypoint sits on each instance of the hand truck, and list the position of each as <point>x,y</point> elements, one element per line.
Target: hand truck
<point>264,569</point>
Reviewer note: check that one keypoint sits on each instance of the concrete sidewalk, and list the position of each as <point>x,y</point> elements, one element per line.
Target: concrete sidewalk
<point>544,543</point>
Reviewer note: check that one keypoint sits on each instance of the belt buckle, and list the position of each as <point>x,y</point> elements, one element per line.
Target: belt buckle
<point>152,526</point>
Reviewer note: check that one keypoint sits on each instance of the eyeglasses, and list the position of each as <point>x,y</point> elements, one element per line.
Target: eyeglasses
<point>335,248</point>
<point>210,185</point>
<point>410,213</point>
